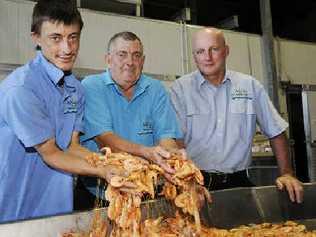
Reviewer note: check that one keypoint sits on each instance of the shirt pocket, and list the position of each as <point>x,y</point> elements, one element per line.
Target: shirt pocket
<point>199,123</point>
<point>145,133</point>
<point>243,116</point>
<point>242,106</point>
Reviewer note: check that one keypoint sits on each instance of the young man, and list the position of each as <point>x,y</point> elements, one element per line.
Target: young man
<point>41,110</point>
<point>127,110</point>
<point>218,110</point>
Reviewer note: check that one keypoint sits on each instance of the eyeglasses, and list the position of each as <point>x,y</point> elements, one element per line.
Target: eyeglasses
<point>122,55</point>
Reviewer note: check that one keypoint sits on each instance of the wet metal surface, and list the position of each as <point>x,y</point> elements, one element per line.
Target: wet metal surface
<point>230,208</point>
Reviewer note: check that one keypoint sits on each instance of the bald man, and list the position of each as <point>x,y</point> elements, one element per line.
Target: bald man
<point>218,110</point>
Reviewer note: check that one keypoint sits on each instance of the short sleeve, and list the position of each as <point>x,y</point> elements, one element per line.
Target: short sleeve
<point>268,118</point>
<point>166,124</point>
<point>177,103</point>
<point>97,118</point>
<point>26,114</point>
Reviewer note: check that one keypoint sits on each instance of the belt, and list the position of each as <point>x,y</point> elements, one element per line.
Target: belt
<point>220,177</point>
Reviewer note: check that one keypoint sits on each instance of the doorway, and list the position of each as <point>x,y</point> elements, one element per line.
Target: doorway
<point>297,134</point>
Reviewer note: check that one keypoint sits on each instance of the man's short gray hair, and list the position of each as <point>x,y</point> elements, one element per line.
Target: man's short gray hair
<point>126,35</point>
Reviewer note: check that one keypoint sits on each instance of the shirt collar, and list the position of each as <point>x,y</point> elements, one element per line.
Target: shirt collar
<point>228,76</point>
<point>201,80</point>
<point>141,84</point>
<point>54,73</point>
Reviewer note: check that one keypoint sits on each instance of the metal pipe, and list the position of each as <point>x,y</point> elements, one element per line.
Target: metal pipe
<point>138,7</point>
<point>268,52</point>
<point>184,49</point>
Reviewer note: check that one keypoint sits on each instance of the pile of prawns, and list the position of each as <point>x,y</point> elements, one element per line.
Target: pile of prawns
<point>184,188</point>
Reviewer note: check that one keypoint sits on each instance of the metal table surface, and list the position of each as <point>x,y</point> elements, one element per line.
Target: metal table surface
<point>230,208</point>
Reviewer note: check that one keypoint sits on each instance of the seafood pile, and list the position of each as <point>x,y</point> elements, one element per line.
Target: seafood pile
<point>179,226</point>
<point>185,188</point>
<point>98,228</point>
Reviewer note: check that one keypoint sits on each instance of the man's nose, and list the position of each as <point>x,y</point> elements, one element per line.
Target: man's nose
<point>129,58</point>
<point>66,46</point>
<point>209,55</point>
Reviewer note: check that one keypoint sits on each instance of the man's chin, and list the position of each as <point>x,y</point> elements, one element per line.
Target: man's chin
<point>65,67</point>
<point>208,71</point>
<point>130,79</point>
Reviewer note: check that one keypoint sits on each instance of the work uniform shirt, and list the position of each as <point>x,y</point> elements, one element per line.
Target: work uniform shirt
<point>34,107</point>
<point>219,122</point>
<point>145,119</point>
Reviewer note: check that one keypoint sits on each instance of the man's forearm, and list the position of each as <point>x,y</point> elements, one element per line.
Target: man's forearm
<point>65,161</point>
<point>281,151</point>
<point>118,144</point>
<point>78,150</point>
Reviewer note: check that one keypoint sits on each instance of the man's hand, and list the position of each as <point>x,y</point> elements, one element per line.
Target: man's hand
<point>179,152</point>
<point>158,155</point>
<point>110,171</point>
<point>293,186</point>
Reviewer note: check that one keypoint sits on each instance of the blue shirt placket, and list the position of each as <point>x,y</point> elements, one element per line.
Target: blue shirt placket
<point>70,108</point>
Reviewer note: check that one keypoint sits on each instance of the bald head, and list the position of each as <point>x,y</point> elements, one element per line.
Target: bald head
<point>208,33</point>
<point>210,51</point>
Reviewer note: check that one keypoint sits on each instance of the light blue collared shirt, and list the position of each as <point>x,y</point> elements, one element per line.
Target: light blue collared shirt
<point>146,119</point>
<point>219,123</point>
<point>33,109</point>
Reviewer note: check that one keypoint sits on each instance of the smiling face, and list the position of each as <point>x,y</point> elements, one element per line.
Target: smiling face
<point>59,43</point>
<point>210,52</point>
<point>125,61</point>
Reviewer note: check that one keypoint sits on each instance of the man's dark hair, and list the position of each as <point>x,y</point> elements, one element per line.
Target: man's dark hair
<point>126,35</point>
<point>63,11</point>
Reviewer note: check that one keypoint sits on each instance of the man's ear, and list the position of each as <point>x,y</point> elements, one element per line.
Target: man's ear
<point>36,39</point>
<point>143,60</point>
<point>107,59</point>
<point>227,50</point>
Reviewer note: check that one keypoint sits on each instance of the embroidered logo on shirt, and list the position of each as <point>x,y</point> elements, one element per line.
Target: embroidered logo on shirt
<point>240,93</point>
<point>147,128</point>
<point>70,105</point>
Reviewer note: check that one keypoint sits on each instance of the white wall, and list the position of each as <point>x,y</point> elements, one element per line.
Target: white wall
<point>15,25</point>
<point>163,44</point>
<point>161,41</point>
<point>296,61</point>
